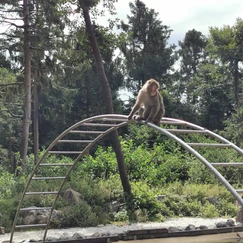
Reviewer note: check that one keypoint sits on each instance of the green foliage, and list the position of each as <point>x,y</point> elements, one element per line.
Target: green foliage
<point>200,200</point>
<point>121,215</point>
<point>145,47</point>
<point>7,184</point>
<point>209,211</point>
<point>102,165</point>
<point>93,193</point>
<point>7,212</point>
<point>234,127</point>
<point>80,215</point>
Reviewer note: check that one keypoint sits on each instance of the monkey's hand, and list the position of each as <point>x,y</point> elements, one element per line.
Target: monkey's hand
<point>138,118</point>
<point>129,117</point>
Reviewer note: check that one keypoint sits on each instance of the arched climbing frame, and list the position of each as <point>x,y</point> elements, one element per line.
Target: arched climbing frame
<point>77,140</point>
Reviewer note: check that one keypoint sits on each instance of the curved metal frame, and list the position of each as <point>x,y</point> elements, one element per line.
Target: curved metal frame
<point>123,121</point>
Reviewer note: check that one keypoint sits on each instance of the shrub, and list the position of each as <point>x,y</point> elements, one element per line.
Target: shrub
<point>80,215</point>
<point>7,184</point>
<point>7,213</point>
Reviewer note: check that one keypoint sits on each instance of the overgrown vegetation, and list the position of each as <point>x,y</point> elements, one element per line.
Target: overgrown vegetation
<point>166,182</point>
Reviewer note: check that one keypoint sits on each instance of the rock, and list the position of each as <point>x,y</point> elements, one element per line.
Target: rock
<point>173,229</point>
<point>230,223</point>
<point>221,224</point>
<point>42,218</point>
<point>190,227</point>
<point>213,200</point>
<point>27,241</point>
<point>96,234</point>
<point>77,236</point>
<point>202,227</point>
<point>113,206</point>
<point>64,236</point>
<point>52,238</point>
<point>160,197</point>
<point>37,216</point>
<point>72,196</point>
<point>30,219</point>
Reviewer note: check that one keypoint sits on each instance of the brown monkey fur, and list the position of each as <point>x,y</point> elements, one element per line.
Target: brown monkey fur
<point>149,103</point>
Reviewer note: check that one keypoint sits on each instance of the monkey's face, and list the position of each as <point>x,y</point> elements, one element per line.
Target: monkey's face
<point>152,86</point>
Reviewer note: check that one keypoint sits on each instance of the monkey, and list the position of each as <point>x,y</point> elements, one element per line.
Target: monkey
<point>149,103</point>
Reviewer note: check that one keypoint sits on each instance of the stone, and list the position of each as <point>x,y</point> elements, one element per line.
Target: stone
<point>213,200</point>
<point>42,218</point>
<point>221,224</point>
<point>190,227</point>
<point>173,229</point>
<point>64,236</point>
<point>202,227</point>
<point>230,223</point>
<point>113,206</point>
<point>37,216</point>
<point>77,236</point>
<point>72,196</point>
<point>30,219</point>
<point>96,234</point>
<point>160,197</point>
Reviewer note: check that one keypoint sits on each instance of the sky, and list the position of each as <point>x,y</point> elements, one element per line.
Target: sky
<point>184,15</point>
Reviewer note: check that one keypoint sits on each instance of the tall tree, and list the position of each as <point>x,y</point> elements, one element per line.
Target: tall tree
<point>85,6</point>
<point>192,53</point>
<point>146,50</point>
<point>226,42</point>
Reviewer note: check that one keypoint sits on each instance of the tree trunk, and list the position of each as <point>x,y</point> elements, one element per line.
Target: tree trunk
<point>36,113</point>
<point>27,84</point>
<point>108,102</point>
<point>236,82</point>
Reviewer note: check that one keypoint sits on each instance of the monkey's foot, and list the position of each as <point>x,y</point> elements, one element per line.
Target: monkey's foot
<point>137,118</point>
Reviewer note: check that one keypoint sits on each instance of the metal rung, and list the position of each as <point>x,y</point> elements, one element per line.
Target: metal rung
<point>75,141</point>
<point>55,164</point>
<point>219,145</point>
<point>185,131</point>
<point>115,119</point>
<point>65,152</point>
<point>49,178</point>
<point>227,164</point>
<point>173,123</point>
<point>40,193</point>
<point>87,132</point>
<point>29,226</point>
<point>35,208</point>
<point>239,190</point>
<point>99,124</point>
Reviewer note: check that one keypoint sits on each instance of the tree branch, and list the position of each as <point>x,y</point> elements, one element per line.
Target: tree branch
<point>4,85</point>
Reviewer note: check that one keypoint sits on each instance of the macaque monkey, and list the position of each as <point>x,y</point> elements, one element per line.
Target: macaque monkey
<point>149,103</point>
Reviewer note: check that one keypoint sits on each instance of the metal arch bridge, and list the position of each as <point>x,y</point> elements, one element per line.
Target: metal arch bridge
<point>79,138</point>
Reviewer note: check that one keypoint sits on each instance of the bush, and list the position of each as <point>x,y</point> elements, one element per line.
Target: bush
<point>7,213</point>
<point>102,165</point>
<point>7,184</point>
<point>80,215</point>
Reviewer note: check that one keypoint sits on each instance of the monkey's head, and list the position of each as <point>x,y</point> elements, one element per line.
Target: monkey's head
<point>151,86</point>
